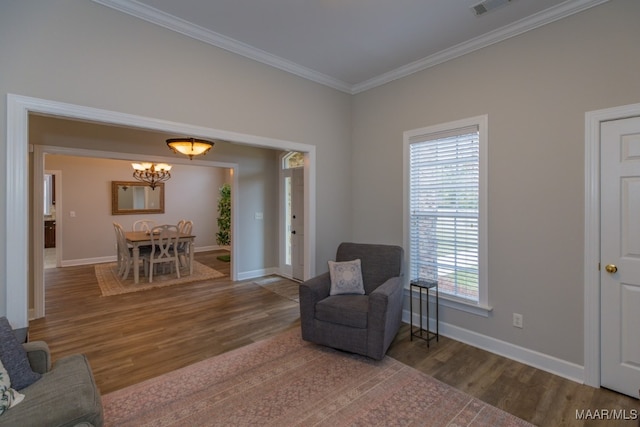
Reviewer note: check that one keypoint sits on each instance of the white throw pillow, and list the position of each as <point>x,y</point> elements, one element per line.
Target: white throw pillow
<point>8,396</point>
<point>346,278</point>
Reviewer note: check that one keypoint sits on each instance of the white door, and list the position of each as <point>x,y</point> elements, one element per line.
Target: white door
<point>620,255</point>
<point>297,223</point>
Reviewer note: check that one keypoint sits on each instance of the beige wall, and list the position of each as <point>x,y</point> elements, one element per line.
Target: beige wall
<point>191,193</point>
<point>535,89</point>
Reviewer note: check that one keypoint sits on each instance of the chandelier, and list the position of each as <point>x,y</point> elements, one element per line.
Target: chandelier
<point>150,173</point>
<point>190,146</point>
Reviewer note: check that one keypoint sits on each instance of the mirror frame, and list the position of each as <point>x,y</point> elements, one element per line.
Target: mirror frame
<point>114,198</point>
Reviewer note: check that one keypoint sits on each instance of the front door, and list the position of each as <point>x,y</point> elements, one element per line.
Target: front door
<point>297,223</point>
<point>620,255</point>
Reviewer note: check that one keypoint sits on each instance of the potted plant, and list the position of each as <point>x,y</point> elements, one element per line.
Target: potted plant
<point>223,236</point>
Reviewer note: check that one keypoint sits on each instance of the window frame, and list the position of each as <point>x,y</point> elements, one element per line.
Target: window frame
<point>481,307</point>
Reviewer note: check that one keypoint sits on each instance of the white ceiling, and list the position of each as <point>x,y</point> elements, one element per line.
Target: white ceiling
<point>350,45</point>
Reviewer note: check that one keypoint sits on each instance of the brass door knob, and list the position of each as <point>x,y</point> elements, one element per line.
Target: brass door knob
<point>611,268</point>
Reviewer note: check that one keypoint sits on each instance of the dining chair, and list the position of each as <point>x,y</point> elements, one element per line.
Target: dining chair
<point>183,247</point>
<point>144,225</point>
<point>164,243</point>
<point>124,252</point>
<point>119,255</point>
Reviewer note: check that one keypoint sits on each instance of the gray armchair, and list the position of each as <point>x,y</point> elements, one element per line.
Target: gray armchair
<point>364,324</point>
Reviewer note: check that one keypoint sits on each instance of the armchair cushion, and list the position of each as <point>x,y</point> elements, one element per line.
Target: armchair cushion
<point>14,358</point>
<point>346,278</point>
<point>348,310</point>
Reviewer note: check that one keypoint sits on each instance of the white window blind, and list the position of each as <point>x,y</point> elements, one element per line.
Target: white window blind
<point>444,179</point>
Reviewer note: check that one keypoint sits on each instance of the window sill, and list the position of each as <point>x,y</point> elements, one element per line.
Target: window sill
<point>461,304</point>
<point>464,305</point>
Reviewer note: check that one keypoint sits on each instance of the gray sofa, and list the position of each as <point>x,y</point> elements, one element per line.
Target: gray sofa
<point>65,396</point>
<point>363,324</point>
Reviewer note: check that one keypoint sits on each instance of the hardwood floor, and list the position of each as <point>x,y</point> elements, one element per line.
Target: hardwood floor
<point>132,337</point>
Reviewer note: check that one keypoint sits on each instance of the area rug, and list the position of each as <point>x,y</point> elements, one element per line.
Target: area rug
<point>281,286</point>
<point>111,284</point>
<point>284,381</point>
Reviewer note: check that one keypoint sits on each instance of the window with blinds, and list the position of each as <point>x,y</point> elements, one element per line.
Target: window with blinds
<point>444,199</point>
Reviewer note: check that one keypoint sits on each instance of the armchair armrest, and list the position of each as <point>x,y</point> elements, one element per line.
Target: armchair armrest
<point>384,297</point>
<point>385,315</point>
<point>39,356</point>
<point>388,288</point>
<point>315,289</point>
<point>311,292</point>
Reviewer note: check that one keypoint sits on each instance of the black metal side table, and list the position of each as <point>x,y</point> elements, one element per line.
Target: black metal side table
<point>426,286</point>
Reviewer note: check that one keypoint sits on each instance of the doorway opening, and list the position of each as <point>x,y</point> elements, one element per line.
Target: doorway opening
<point>51,203</point>
<point>293,215</point>
<point>16,274</point>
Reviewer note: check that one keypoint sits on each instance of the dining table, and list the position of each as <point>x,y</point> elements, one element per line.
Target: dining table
<point>143,238</point>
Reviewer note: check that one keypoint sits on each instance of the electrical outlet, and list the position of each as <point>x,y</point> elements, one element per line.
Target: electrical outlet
<point>517,320</point>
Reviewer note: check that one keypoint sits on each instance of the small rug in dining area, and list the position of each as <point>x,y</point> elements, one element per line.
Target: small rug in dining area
<point>279,285</point>
<point>111,284</point>
<point>284,381</point>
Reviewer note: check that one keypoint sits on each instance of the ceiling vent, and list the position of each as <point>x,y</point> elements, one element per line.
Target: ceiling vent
<point>488,5</point>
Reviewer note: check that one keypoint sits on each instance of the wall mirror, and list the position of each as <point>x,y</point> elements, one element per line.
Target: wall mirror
<point>131,197</point>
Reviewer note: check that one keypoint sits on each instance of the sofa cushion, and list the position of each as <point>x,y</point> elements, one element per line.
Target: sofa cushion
<point>8,396</point>
<point>346,278</point>
<point>14,358</point>
<point>347,310</point>
<point>65,397</point>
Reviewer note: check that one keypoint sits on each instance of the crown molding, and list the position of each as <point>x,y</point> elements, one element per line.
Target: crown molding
<point>532,22</point>
<point>155,16</point>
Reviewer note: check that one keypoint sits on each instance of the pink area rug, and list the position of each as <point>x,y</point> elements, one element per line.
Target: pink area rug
<point>284,381</point>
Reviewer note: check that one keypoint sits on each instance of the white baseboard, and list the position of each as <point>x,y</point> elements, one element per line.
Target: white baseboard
<point>112,258</point>
<point>545,362</point>
<point>247,275</point>
<point>207,248</point>
<point>86,261</point>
